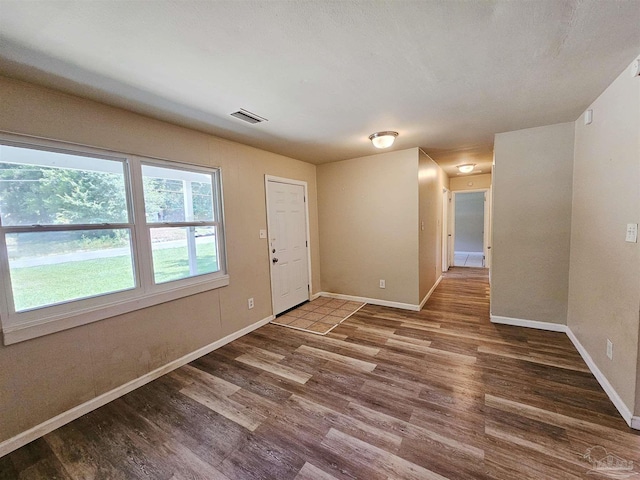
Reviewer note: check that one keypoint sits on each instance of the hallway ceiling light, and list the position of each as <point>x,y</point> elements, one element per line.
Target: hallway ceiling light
<point>466,168</point>
<point>383,139</point>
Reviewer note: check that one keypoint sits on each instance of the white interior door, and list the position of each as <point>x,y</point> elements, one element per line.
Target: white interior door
<point>287,220</point>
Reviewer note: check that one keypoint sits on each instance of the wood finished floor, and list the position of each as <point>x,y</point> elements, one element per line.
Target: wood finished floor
<point>389,394</point>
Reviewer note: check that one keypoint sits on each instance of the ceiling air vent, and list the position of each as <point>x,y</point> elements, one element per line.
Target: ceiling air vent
<point>248,116</point>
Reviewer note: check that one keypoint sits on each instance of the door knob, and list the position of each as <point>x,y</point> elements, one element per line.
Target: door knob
<point>275,260</point>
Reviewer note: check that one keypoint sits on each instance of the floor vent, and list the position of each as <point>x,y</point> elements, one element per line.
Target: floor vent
<point>248,116</point>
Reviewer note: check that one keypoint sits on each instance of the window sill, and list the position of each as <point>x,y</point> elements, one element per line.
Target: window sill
<point>52,324</point>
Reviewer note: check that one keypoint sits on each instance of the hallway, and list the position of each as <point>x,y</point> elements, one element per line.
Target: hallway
<point>440,393</point>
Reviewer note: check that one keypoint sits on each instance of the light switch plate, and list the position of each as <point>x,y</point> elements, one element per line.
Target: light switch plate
<point>632,233</point>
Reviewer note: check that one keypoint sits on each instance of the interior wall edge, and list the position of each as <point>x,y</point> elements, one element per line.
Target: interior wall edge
<point>430,292</point>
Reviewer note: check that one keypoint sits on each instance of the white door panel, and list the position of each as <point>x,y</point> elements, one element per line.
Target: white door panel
<point>287,245</point>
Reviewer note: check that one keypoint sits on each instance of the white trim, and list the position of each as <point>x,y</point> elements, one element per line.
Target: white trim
<point>486,236</point>
<point>58,421</point>
<point>604,383</point>
<point>56,323</point>
<point>430,292</point>
<point>518,322</point>
<point>446,204</point>
<point>632,421</point>
<point>372,301</point>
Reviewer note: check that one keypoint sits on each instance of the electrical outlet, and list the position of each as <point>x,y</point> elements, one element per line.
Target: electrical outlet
<point>383,284</point>
<point>250,303</point>
<point>609,349</point>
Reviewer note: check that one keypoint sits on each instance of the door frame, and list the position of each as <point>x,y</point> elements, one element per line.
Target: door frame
<point>289,181</point>
<point>446,215</point>
<point>486,236</point>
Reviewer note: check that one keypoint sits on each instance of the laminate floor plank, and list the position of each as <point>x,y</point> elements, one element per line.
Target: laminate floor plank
<point>382,438</point>
<point>259,459</point>
<point>277,369</point>
<point>379,462</point>
<point>247,417</point>
<point>338,358</point>
<point>209,435</point>
<point>388,394</point>
<point>310,472</point>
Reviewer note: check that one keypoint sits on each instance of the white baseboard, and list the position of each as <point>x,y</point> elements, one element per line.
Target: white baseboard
<point>633,422</point>
<point>604,383</point>
<point>372,301</point>
<point>433,289</point>
<point>382,303</point>
<point>58,421</point>
<point>519,322</point>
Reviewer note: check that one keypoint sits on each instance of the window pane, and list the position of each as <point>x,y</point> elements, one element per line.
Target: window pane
<point>174,195</point>
<point>49,188</point>
<point>181,252</point>
<point>52,267</point>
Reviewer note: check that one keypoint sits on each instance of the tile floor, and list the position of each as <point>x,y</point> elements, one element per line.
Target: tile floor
<point>319,316</point>
<point>468,259</point>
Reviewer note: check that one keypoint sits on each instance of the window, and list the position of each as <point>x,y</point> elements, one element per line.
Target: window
<point>62,215</point>
<point>181,221</point>
<point>86,234</point>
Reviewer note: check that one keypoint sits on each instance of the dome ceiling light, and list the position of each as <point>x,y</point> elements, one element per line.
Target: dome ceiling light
<point>383,139</point>
<point>466,168</point>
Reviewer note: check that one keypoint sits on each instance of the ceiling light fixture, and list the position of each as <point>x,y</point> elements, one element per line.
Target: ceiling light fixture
<point>383,139</point>
<point>466,168</point>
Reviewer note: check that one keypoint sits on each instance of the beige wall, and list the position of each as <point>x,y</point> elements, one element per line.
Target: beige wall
<point>368,226</point>
<point>431,180</point>
<point>604,282</point>
<point>532,223</point>
<point>478,182</point>
<point>43,377</point>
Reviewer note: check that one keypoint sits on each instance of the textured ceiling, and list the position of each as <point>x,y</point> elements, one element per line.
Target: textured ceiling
<point>447,75</point>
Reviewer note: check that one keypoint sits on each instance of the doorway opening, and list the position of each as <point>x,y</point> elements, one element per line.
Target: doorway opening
<point>470,229</point>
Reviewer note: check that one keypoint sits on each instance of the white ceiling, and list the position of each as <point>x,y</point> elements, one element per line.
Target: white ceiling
<point>446,74</point>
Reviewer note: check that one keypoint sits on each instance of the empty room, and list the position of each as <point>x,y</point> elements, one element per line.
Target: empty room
<point>294,240</point>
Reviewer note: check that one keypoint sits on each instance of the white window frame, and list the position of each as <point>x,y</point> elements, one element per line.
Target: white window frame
<point>17,327</point>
